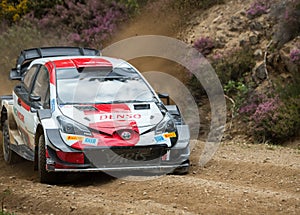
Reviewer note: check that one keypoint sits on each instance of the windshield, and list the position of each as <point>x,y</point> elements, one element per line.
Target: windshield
<point>101,85</point>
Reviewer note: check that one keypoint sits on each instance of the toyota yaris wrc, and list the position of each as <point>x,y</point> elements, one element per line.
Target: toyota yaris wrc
<point>75,111</point>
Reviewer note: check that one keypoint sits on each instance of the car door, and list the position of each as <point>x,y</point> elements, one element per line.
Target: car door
<point>22,104</point>
<point>40,95</point>
<point>30,96</point>
<point>38,99</point>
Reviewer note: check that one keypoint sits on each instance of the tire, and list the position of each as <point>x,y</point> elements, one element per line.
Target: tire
<point>44,175</point>
<point>10,157</point>
<point>182,170</point>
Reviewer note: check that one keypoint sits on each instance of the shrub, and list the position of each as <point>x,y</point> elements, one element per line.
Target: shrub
<point>204,45</point>
<point>238,91</point>
<point>287,14</point>
<point>40,8</point>
<point>12,11</point>
<point>85,23</point>
<point>272,118</point>
<point>258,8</point>
<point>231,68</point>
<point>131,5</point>
<point>234,64</point>
<point>295,56</point>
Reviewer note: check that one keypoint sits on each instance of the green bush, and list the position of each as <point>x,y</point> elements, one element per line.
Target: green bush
<point>132,5</point>
<point>231,69</point>
<point>280,124</point>
<point>288,119</point>
<point>234,65</point>
<point>85,23</point>
<point>12,11</point>
<point>40,8</point>
<point>272,118</point>
<point>6,213</point>
<point>238,91</point>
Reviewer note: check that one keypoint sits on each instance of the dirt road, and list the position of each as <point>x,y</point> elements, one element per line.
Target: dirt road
<point>241,179</point>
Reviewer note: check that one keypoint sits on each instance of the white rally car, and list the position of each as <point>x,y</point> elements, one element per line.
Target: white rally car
<point>75,110</point>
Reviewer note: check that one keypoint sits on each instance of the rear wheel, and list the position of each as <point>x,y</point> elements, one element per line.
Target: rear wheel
<point>44,175</point>
<point>9,155</point>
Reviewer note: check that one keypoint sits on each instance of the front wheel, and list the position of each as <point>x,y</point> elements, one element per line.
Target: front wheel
<point>10,157</point>
<point>182,170</point>
<point>44,175</point>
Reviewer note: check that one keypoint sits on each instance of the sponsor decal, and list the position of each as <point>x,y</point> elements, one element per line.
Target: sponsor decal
<point>165,138</point>
<point>166,156</point>
<point>72,138</point>
<point>170,135</point>
<point>84,140</point>
<point>15,111</point>
<point>159,139</point>
<point>90,141</point>
<point>20,116</point>
<point>120,116</point>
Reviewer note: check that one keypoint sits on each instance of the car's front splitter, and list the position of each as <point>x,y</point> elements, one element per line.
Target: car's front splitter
<point>158,169</point>
<point>156,158</point>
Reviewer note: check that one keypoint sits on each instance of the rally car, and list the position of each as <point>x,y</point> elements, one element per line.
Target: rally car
<point>74,110</point>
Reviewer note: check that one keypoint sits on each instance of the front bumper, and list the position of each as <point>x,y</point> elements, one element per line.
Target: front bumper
<point>156,158</point>
<point>158,169</point>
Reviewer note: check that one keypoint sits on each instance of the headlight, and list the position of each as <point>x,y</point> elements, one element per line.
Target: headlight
<point>166,125</point>
<point>69,126</point>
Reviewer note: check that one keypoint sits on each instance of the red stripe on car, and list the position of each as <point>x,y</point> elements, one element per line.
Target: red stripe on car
<point>65,63</point>
<point>91,62</point>
<point>108,108</point>
<point>25,106</point>
<point>51,69</point>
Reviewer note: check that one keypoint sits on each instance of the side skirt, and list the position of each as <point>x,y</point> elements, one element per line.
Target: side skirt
<point>24,151</point>
<point>18,146</point>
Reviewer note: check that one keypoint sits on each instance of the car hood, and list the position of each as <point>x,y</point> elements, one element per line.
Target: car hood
<point>111,117</point>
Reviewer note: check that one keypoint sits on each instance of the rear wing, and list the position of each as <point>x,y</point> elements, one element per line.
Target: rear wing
<point>28,55</point>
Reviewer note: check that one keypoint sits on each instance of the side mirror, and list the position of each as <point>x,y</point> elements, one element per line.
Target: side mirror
<point>15,75</point>
<point>33,98</point>
<point>164,96</point>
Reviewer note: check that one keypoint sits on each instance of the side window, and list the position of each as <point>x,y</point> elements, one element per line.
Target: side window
<point>29,76</point>
<point>41,86</point>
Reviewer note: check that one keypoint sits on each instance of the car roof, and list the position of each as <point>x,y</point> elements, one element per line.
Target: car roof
<point>80,61</point>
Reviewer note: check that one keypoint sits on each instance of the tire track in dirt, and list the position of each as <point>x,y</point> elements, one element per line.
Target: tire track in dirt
<point>214,189</point>
<point>263,175</point>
